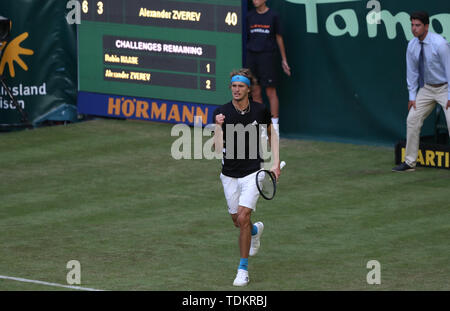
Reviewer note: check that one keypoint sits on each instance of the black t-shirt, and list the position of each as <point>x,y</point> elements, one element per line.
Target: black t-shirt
<point>241,155</point>
<point>262,30</point>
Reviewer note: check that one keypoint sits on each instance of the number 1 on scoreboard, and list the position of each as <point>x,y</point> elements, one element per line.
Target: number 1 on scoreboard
<point>207,67</point>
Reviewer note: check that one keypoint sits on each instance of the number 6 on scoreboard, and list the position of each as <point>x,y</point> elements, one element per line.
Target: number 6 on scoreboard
<point>85,6</point>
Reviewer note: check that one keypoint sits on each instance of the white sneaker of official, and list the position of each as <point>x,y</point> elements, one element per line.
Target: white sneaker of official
<point>241,278</point>
<point>256,239</point>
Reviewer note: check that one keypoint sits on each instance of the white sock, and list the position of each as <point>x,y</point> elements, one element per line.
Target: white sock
<point>275,120</point>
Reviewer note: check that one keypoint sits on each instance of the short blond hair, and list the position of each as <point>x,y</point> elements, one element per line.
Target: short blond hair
<point>246,73</point>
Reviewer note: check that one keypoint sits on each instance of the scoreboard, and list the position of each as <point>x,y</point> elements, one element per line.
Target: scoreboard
<point>140,58</point>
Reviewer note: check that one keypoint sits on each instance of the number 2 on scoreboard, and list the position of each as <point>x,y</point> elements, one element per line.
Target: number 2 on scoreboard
<point>207,84</point>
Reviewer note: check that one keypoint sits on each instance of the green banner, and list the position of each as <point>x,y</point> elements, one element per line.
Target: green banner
<point>348,78</point>
<point>38,62</point>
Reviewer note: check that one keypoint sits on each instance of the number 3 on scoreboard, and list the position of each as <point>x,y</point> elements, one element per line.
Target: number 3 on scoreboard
<point>100,7</point>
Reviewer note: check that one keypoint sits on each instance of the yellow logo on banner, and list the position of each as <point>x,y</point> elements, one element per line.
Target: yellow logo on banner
<point>12,54</point>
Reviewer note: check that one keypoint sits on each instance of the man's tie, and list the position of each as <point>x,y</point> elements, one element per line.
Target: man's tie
<point>421,66</point>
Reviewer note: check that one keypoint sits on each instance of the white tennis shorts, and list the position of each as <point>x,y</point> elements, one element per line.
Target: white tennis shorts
<point>240,192</point>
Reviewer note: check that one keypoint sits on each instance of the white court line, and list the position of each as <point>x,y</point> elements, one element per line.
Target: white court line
<point>48,284</point>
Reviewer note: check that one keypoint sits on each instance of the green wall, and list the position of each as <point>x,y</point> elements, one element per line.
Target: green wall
<point>348,78</point>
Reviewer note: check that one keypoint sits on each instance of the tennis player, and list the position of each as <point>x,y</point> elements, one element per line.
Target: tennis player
<point>237,135</point>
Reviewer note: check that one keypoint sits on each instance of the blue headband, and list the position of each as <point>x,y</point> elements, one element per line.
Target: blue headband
<point>239,78</point>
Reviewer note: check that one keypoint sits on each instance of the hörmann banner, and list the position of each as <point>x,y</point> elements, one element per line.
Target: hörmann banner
<point>145,109</point>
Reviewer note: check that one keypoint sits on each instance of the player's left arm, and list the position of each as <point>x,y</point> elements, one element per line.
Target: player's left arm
<point>274,142</point>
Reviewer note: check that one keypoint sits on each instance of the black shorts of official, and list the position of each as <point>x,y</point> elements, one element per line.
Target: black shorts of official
<point>264,67</point>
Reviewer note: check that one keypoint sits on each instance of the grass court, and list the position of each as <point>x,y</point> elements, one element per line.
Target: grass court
<point>108,194</point>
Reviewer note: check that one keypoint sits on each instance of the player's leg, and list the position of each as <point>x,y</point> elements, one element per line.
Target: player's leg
<point>232,193</point>
<point>243,220</point>
<point>245,230</point>
<point>247,203</point>
<point>244,223</point>
<point>252,64</point>
<point>232,190</point>
<point>234,217</point>
<point>442,99</point>
<point>256,232</point>
<point>271,93</point>
<point>269,80</point>
<point>424,106</point>
<point>249,198</point>
<point>257,94</point>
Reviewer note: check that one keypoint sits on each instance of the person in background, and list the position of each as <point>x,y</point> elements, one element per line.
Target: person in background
<point>428,74</point>
<point>263,39</point>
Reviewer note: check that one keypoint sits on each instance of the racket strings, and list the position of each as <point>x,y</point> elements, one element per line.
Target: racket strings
<point>266,184</point>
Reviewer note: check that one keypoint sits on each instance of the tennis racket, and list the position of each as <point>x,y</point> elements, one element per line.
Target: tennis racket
<point>267,183</point>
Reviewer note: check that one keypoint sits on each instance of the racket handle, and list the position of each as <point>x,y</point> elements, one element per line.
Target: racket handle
<point>282,164</point>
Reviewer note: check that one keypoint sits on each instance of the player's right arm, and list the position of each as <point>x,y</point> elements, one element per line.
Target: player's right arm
<point>412,76</point>
<point>218,135</point>
<point>284,63</point>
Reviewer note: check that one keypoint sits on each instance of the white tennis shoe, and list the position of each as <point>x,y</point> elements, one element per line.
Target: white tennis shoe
<point>241,278</point>
<point>256,239</point>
